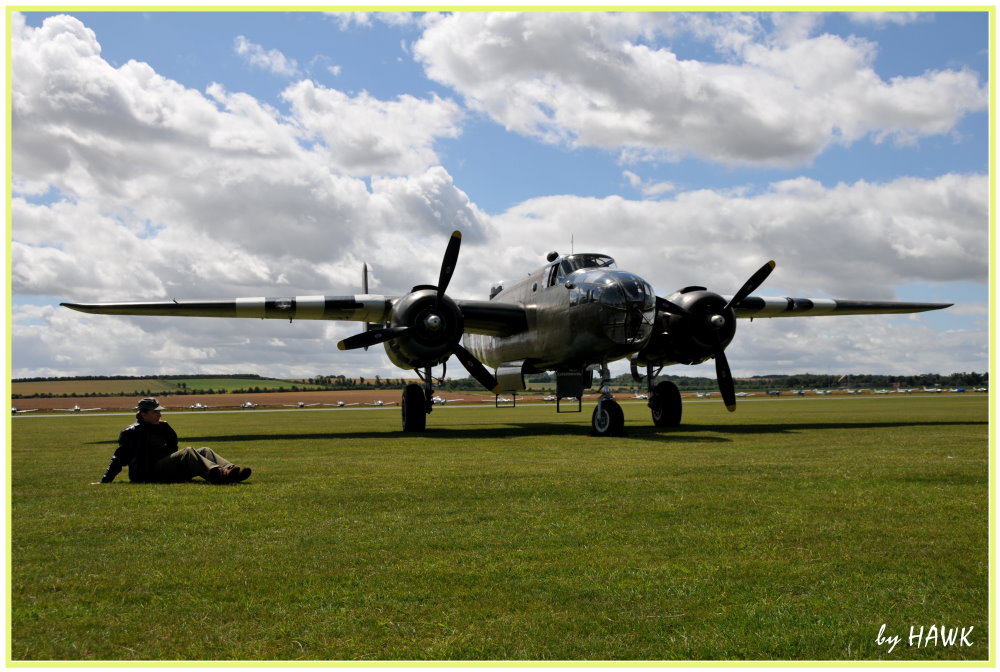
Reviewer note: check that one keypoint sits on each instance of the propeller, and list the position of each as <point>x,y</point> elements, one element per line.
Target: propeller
<point>448,263</point>
<point>369,338</point>
<point>430,325</point>
<point>722,372</point>
<point>755,281</point>
<point>475,368</point>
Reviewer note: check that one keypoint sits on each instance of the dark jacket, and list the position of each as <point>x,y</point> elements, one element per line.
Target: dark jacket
<point>140,446</point>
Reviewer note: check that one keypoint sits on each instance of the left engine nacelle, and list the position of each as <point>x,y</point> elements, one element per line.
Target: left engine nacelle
<point>435,323</point>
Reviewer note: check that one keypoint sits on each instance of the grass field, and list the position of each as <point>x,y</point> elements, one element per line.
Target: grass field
<point>793,529</point>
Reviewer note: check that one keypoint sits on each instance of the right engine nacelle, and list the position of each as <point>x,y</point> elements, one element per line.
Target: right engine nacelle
<point>692,338</point>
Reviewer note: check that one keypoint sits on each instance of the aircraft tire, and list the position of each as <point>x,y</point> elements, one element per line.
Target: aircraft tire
<point>665,405</point>
<point>413,405</point>
<point>608,419</point>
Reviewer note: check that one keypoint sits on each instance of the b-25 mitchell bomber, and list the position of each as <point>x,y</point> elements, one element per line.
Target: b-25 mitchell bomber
<point>573,316</point>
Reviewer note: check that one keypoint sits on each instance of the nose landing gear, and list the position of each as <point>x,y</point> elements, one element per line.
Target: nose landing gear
<point>608,418</point>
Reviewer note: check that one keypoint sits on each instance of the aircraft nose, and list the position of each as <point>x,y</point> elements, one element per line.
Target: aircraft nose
<point>628,309</point>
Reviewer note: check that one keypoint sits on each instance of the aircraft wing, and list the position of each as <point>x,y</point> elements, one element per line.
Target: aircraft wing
<point>481,317</point>
<point>758,306</point>
<point>493,318</point>
<point>361,308</point>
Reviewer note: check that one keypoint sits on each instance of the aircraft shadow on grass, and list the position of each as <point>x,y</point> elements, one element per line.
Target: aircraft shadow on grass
<point>689,433</point>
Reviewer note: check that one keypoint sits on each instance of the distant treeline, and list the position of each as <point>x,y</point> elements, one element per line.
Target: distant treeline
<point>195,376</point>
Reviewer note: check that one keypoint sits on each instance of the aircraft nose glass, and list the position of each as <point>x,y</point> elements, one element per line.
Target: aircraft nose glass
<point>629,309</point>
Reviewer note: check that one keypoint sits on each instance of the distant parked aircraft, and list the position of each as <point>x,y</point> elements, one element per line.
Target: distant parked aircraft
<point>248,404</point>
<point>15,411</point>
<point>77,409</point>
<point>301,404</point>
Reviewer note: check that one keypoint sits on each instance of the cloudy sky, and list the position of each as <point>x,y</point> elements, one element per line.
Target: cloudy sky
<point>162,155</point>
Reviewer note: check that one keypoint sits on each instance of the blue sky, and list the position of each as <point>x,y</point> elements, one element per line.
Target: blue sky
<point>219,154</point>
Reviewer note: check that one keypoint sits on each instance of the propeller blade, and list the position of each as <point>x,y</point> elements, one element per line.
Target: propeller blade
<point>665,306</point>
<point>449,261</point>
<point>476,368</point>
<point>369,338</point>
<point>753,283</point>
<point>725,376</point>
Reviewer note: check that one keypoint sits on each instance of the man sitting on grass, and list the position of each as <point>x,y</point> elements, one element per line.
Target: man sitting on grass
<point>149,448</point>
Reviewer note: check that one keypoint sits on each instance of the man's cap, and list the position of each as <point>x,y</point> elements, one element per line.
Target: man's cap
<point>149,404</point>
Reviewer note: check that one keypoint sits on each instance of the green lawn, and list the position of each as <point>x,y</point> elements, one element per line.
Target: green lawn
<point>792,529</point>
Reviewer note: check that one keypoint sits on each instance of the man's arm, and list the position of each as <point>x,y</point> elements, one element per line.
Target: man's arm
<point>114,468</point>
<point>120,458</point>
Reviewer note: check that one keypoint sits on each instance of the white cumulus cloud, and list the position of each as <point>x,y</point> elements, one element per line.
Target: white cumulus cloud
<point>270,60</point>
<point>777,95</point>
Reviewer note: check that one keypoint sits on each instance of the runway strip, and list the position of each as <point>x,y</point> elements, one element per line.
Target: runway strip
<point>713,400</point>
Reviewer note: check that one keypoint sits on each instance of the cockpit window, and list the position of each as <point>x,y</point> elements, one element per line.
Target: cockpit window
<point>575,262</point>
<point>557,273</point>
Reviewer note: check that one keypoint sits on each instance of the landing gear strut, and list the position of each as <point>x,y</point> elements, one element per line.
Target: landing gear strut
<point>608,418</point>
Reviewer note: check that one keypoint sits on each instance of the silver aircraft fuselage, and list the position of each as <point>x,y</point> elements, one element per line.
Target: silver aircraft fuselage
<point>580,310</point>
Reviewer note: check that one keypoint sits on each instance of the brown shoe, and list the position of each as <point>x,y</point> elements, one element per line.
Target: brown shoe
<point>234,474</point>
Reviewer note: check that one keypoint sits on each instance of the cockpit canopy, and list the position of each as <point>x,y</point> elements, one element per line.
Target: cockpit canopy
<point>576,262</point>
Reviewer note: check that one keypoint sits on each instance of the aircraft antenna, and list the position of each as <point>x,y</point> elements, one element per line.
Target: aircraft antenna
<point>571,250</point>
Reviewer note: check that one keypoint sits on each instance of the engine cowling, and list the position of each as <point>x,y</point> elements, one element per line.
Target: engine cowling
<point>691,338</point>
<point>434,324</point>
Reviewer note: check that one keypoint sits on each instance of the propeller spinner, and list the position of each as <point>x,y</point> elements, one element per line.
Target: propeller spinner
<point>431,323</point>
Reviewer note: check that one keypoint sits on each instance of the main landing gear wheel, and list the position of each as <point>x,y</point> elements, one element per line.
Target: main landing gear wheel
<point>414,407</point>
<point>608,419</point>
<point>665,404</point>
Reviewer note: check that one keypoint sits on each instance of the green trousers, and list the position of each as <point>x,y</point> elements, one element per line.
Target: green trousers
<point>187,463</point>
